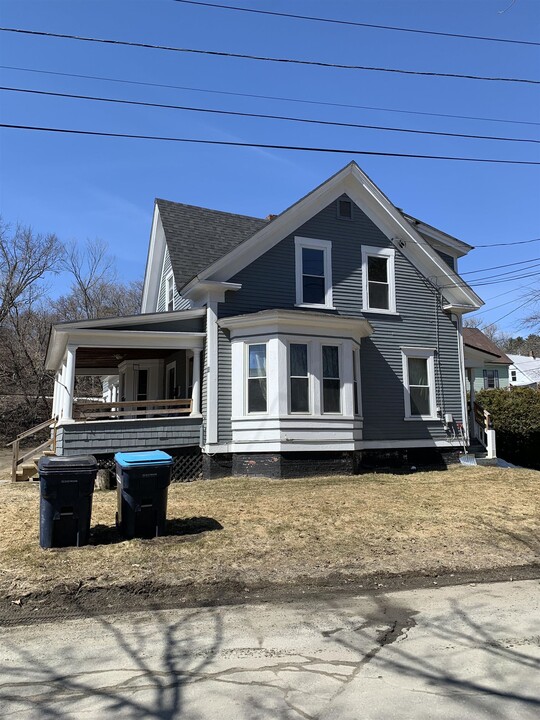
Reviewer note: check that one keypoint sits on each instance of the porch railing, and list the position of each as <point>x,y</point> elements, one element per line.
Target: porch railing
<point>49,444</point>
<point>483,429</point>
<point>131,409</point>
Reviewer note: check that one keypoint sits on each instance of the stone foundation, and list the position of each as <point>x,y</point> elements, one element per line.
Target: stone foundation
<point>312,464</point>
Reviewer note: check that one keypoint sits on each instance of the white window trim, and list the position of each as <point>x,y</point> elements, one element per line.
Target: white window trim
<point>169,281</point>
<point>389,253</point>
<point>425,353</point>
<point>247,345</point>
<point>326,246</point>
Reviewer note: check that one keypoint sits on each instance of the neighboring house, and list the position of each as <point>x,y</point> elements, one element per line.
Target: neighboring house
<point>486,364</point>
<point>290,345</point>
<point>524,370</point>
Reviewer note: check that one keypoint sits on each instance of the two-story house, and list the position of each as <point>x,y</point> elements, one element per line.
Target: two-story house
<point>310,341</point>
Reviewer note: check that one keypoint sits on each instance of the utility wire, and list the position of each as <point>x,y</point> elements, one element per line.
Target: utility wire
<point>509,313</point>
<point>352,23</point>
<point>268,97</point>
<point>264,116</point>
<point>519,242</point>
<point>496,267</point>
<point>261,58</point>
<point>266,146</point>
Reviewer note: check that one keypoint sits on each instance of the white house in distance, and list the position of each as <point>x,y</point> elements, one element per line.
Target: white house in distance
<point>524,371</point>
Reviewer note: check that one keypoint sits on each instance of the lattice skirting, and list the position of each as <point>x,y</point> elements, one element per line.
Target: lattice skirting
<point>187,464</point>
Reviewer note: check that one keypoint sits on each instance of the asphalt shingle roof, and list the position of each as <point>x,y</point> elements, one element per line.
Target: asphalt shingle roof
<point>475,338</point>
<point>197,237</point>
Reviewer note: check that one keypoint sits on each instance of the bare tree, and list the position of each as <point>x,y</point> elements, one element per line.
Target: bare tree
<point>25,260</point>
<point>96,290</point>
<point>491,331</point>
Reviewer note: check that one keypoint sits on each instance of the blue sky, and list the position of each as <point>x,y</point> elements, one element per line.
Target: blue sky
<point>84,187</point>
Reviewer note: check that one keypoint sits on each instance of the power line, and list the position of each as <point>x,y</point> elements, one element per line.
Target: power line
<point>486,282</point>
<point>501,275</point>
<point>508,313</point>
<point>269,97</point>
<point>352,23</point>
<point>261,58</point>
<point>496,267</point>
<point>267,146</point>
<point>519,242</point>
<point>264,116</point>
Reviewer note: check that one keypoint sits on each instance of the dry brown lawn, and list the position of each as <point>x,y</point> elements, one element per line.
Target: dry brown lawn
<point>287,531</point>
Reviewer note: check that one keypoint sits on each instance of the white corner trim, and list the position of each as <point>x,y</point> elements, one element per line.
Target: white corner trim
<point>390,254</point>
<point>211,371</point>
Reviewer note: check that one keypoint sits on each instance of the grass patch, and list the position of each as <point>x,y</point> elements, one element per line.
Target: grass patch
<point>257,531</point>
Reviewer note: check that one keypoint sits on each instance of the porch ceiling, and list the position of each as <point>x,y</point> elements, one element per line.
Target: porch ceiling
<point>112,357</point>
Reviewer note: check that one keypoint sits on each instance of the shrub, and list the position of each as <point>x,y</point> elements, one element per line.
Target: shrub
<point>516,418</point>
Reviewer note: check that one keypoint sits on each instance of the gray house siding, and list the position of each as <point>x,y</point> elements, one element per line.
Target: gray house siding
<point>179,303</point>
<point>118,435</point>
<point>189,325</point>
<point>269,282</point>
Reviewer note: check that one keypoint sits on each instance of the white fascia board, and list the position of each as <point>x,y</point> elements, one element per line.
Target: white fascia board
<point>367,196</point>
<point>127,339</point>
<point>146,319</point>
<point>272,322</point>
<point>154,264</point>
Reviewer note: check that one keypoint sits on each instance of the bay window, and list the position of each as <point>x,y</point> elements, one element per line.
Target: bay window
<point>298,378</point>
<point>331,382</point>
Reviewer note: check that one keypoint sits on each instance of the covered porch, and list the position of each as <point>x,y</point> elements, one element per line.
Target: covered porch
<point>150,370</point>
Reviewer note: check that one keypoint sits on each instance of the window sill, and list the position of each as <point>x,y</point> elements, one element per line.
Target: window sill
<point>380,312</point>
<point>315,306</point>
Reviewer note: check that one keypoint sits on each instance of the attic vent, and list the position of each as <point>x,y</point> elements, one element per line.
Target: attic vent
<point>344,209</point>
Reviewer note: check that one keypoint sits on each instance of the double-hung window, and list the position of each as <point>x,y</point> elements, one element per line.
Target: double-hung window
<point>419,383</point>
<point>331,381</point>
<point>298,378</point>
<point>379,293</point>
<point>491,379</point>
<point>313,272</point>
<point>256,380</point>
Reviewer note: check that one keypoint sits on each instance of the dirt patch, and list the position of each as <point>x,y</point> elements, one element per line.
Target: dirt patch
<point>237,538</point>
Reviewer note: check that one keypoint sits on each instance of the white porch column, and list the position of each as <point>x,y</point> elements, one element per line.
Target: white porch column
<point>69,382</point>
<point>211,373</point>
<point>196,390</point>
<point>56,395</point>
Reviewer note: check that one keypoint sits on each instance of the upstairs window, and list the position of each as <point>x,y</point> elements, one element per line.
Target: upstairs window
<point>331,382</point>
<point>298,378</point>
<point>379,293</point>
<point>256,381</point>
<point>169,289</point>
<point>313,272</point>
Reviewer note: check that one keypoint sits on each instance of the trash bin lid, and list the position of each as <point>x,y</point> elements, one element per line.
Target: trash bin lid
<point>137,459</point>
<point>63,463</point>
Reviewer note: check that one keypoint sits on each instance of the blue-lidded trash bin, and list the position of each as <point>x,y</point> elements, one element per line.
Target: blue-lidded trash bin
<point>66,492</point>
<point>142,486</point>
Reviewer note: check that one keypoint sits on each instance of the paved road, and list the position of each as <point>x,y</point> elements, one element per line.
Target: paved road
<point>453,653</point>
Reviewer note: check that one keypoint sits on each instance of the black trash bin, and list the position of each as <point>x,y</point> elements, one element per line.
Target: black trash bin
<point>142,485</point>
<point>66,491</point>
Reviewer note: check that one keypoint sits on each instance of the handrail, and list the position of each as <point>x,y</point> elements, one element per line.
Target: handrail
<point>49,443</point>
<point>131,408</point>
<point>33,431</point>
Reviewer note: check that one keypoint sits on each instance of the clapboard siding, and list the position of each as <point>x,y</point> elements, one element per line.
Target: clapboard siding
<point>104,437</point>
<point>269,282</point>
<point>179,303</point>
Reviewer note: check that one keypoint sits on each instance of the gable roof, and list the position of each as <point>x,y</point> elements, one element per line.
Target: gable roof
<point>196,236</point>
<point>475,338</point>
<point>352,181</point>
